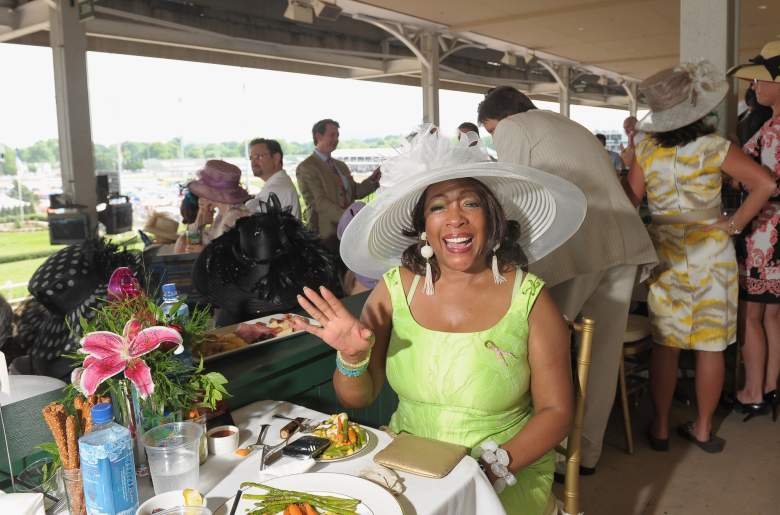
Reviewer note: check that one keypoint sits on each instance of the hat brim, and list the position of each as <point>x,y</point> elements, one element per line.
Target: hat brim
<point>169,237</point>
<point>548,208</point>
<point>752,71</point>
<point>235,196</point>
<point>683,113</point>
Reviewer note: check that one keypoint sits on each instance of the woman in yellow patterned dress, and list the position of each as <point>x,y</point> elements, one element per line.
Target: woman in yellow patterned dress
<point>693,292</point>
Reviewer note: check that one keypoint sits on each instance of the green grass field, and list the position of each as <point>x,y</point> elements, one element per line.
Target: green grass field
<point>17,272</point>
<point>16,243</point>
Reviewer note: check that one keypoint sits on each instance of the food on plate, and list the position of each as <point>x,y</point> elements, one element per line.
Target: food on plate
<point>282,326</point>
<point>254,332</point>
<point>245,334</point>
<point>300,509</point>
<point>290,502</point>
<point>190,498</point>
<point>242,452</point>
<point>219,343</point>
<point>346,437</point>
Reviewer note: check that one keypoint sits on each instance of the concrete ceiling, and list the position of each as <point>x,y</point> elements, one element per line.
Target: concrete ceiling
<point>607,44</point>
<point>630,37</point>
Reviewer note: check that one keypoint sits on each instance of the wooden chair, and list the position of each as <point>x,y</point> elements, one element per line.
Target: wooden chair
<point>636,343</point>
<point>571,487</point>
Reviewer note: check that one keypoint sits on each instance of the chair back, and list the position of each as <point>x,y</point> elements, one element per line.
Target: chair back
<point>571,497</point>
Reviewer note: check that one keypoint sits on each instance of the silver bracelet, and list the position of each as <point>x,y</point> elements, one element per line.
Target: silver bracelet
<point>497,459</point>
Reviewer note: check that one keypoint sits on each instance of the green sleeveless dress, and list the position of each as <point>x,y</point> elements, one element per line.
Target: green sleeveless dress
<point>465,388</point>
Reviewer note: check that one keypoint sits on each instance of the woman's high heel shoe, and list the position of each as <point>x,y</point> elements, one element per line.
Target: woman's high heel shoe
<point>751,410</point>
<point>772,399</point>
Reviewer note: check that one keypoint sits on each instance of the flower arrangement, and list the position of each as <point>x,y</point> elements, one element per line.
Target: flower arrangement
<point>131,340</point>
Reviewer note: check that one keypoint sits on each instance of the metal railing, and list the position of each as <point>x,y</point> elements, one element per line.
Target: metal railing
<point>7,290</point>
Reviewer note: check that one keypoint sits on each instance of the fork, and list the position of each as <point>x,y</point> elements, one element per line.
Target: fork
<point>307,425</point>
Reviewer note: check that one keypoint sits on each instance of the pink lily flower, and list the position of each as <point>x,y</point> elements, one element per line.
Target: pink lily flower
<point>109,353</point>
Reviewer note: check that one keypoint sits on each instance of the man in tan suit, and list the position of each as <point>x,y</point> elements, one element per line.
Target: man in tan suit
<point>327,185</point>
<point>593,273</point>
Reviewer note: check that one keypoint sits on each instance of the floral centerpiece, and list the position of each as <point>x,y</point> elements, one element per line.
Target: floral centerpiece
<point>140,358</point>
<point>131,341</point>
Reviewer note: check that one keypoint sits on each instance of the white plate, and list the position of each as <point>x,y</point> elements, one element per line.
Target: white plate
<point>374,500</point>
<point>371,442</point>
<point>265,320</point>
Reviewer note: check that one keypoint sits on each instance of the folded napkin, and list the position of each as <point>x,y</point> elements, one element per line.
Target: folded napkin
<point>285,467</point>
<point>384,477</point>
<point>22,504</point>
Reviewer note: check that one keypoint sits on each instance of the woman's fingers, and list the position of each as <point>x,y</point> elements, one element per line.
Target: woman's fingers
<point>311,309</point>
<point>320,303</point>
<point>335,304</point>
<point>301,324</point>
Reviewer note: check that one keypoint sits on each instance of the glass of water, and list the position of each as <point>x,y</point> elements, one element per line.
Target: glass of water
<point>172,450</point>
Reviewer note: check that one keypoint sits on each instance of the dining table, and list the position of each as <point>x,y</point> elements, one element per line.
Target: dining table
<point>464,491</point>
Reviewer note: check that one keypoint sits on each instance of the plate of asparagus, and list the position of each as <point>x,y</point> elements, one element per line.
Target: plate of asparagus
<point>317,493</point>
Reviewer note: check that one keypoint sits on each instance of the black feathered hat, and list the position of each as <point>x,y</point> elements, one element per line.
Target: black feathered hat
<point>262,264</point>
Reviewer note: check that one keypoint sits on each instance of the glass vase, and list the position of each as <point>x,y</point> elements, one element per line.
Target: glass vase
<point>42,477</point>
<point>138,415</point>
<point>74,490</point>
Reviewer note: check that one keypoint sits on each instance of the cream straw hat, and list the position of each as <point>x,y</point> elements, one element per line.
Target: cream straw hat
<point>681,95</point>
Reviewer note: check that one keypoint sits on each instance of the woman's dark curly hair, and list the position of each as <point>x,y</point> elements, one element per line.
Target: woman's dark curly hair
<point>683,135</point>
<point>498,229</point>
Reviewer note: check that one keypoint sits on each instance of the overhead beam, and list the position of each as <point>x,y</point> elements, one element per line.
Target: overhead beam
<point>544,88</point>
<point>26,19</point>
<point>391,69</point>
<point>219,43</point>
<point>540,13</point>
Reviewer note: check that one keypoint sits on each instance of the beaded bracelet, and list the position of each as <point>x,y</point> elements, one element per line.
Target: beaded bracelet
<point>352,369</point>
<point>498,460</point>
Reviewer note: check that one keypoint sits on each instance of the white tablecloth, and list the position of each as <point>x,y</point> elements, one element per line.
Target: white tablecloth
<point>464,491</point>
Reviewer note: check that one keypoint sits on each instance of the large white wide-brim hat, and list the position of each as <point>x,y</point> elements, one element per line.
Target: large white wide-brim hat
<point>681,95</point>
<point>548,208</point>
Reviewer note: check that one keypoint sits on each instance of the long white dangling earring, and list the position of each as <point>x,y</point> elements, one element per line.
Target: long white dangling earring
<point>426,251</point>
<point>497,277</point>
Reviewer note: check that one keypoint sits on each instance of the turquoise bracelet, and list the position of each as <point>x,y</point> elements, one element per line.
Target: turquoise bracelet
<point>350,370</point>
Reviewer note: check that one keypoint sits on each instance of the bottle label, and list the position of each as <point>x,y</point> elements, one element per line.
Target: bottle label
<point>108,475</point>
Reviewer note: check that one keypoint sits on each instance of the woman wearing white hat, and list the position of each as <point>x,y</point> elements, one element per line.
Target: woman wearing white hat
<point>693,293</point>
<point>759,249</point>
<point>478,352</point>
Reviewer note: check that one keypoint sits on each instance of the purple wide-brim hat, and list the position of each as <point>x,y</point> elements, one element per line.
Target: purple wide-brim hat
<point>219,181</point>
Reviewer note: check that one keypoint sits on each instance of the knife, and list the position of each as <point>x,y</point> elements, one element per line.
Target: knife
<point>236,502</point>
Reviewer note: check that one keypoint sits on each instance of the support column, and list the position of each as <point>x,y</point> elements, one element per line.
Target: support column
<point>632,108</point>
<point>429,46</point>
<point>709,30</point>
<point>564,90</point>
<point>69,52</point>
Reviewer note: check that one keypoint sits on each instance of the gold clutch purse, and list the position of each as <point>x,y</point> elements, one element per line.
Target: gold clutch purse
<point>420,456</point>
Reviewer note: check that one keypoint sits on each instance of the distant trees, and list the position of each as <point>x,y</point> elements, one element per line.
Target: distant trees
<point>134,152</point>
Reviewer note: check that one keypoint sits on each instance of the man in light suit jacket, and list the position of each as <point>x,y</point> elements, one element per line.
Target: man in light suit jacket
<point>327,185</point>
<point>593,273</point>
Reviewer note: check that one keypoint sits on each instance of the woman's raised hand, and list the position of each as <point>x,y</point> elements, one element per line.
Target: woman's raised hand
<point>339,328</point>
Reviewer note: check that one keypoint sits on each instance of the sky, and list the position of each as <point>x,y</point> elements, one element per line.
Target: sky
<point>149,99</point>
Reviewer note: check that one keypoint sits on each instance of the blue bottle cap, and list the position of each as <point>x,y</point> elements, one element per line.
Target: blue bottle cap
<point>102,413</point>
<point>169,290</point>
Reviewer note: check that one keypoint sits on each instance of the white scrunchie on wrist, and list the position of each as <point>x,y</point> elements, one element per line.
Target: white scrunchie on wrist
<point>498,461</point>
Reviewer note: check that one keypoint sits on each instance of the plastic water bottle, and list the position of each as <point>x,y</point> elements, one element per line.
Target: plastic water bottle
<point>107,467</point>
<point>170,299</point>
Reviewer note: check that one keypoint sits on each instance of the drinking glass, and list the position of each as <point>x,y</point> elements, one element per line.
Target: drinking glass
<point>173,454</point>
